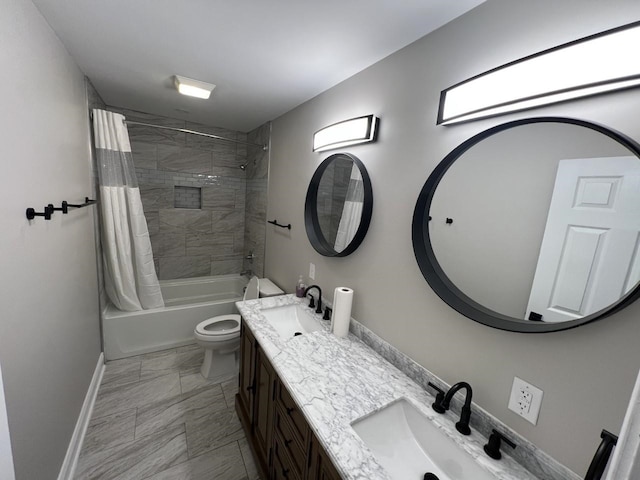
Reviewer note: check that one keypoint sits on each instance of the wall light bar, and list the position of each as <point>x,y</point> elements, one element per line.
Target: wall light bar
<point>193,88</point>
<point>349,132</point>
<point>597,64</point>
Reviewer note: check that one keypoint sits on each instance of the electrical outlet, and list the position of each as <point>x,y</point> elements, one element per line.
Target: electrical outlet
<point>525,400</point>
<point>312,271</point>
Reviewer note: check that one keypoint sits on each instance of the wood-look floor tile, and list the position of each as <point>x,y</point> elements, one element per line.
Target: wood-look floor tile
<point>178,409</point>
<point>108,431</point>
<point>224,463</point>
<point>114,399</point>
<point>121,372</point>
<point>230,388</point>
<point>247,458</point>
<point>212,431</point>
<point>138,459</point>
<point>194,381</point>
<point>184,363</point>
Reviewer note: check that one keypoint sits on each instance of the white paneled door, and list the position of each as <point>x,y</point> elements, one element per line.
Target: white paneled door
<point>590,252</point>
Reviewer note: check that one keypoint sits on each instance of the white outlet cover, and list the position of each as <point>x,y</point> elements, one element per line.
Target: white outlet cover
<point>312,271</point>
<point>525,400</point>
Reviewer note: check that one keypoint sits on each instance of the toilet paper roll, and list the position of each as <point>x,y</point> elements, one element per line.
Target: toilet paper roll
<point>342,300</point>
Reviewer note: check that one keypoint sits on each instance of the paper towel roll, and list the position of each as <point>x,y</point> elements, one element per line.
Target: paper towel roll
<point>342,300</point>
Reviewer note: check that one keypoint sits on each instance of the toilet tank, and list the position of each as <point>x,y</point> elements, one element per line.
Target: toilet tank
<point>269,289</point>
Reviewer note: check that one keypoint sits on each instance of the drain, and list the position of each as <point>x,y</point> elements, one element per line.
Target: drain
<point>430,476</point>
<point>297,333</point>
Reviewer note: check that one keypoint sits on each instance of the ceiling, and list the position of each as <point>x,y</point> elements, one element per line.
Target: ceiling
<point>266,57</point>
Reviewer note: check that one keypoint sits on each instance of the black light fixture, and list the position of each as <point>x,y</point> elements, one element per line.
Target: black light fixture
<point>345,133</point>
<point>600,63</point>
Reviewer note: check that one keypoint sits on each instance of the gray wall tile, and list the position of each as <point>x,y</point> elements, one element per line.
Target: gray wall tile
<point>219,198</point>
<point>178,220</point>
<point>156,197</point>
<point>145,155</point>
<point>209,244</point>
<point>168,244</point>
<point>184,159</point>
<point>184,267</point>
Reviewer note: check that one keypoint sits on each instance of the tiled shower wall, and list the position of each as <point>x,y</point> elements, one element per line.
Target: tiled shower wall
<point>190,242</point>
<point>256,199</point>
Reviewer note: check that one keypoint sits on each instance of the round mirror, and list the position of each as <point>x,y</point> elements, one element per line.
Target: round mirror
<point>533,225</point>
<point>338,206</point>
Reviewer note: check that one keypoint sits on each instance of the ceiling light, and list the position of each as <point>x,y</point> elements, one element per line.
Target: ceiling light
<point>592,65</point>
<point>193,88</point>
<point>345,133</point>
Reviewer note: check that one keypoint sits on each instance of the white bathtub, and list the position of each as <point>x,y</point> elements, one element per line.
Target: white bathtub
<point>187,303</point>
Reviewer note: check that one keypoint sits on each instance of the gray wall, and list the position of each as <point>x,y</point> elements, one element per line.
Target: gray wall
<point>587,374</point>
<point>49,320</point>
<point>190,242</point>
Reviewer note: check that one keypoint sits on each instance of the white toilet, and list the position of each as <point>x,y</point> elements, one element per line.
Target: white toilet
<point>220,336</point>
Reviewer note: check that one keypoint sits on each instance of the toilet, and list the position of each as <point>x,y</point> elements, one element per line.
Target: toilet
<point>220,336</point>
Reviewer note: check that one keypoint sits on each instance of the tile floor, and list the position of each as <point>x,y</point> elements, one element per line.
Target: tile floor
<point>157,418</point>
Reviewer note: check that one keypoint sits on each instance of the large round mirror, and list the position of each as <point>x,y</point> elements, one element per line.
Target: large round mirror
<point>534,225</point>
<point>338,206</point>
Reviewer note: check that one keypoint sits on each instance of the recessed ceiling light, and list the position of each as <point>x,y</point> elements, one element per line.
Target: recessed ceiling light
<point>193,88</point>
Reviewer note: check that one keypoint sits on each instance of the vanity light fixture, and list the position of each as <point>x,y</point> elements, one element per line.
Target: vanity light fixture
<point>193,88</point>
<point>345,133</point>
<point>592,65</point>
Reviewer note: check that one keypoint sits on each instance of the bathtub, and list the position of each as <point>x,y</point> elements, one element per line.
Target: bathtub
<point>187,303</point>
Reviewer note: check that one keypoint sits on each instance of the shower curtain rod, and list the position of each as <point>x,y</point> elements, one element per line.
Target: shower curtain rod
<point>193,132</point>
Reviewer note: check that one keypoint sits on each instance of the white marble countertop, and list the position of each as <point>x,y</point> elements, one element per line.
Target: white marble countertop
<point>338,380</point>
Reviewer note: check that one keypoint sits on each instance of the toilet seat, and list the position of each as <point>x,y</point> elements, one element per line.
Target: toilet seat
<point>220,328</point>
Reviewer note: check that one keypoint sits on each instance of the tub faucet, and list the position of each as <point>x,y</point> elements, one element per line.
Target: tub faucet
<point>248,273</point>
<point>443,402</point>
<point>311,303</point>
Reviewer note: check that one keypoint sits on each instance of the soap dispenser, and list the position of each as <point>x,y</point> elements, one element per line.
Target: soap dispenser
<point>300,287</point>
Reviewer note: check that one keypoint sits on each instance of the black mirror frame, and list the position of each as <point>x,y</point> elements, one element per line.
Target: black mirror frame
<point>311,222</point>
<point>444,287</point>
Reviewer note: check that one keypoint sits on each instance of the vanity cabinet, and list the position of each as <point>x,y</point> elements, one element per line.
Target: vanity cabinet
<point>282,441</point>
<point>320,466</point>
<point>254,402</point>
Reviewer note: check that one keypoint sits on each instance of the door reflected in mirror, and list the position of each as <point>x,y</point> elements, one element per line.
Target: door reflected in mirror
<point>546,224</point>
<point>338,205</point>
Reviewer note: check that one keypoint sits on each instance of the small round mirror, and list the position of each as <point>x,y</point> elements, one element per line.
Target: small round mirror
<point>338,206</point>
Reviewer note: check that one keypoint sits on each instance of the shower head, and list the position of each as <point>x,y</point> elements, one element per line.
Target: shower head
<point>244,167</point>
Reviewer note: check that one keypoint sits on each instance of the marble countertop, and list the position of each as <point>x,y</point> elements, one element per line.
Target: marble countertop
<point>338,380</point>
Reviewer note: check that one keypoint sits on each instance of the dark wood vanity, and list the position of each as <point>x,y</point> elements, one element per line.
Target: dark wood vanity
<point>283,444</point>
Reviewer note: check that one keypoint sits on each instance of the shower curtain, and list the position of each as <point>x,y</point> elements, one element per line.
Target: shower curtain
<point>129,272</point>
<point>351,211</point>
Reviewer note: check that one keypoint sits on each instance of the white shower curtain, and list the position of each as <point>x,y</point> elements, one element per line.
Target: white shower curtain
<point>351,211</point>
<point>130,275</point>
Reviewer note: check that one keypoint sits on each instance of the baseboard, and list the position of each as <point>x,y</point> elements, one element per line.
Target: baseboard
<point>75,445</point>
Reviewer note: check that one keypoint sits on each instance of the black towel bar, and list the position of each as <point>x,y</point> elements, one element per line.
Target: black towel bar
<point>64,208</point>
<point>275,222</point>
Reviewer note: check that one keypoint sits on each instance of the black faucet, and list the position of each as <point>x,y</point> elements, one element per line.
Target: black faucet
<point>311,303</point>
<point>601,457</point>
<point>443,402</point>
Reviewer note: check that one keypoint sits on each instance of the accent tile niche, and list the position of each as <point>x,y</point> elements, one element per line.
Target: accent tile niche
<point>190,242</point>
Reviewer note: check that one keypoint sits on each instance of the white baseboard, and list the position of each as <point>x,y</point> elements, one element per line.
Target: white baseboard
<point>75,445</point>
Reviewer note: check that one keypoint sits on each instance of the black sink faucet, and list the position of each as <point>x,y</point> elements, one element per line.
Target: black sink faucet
<point>443,402</point>
<point>311,304</point>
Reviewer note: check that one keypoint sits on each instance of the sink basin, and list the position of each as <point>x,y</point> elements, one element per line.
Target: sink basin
<point>290,320</point>
<point>409,445</point>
